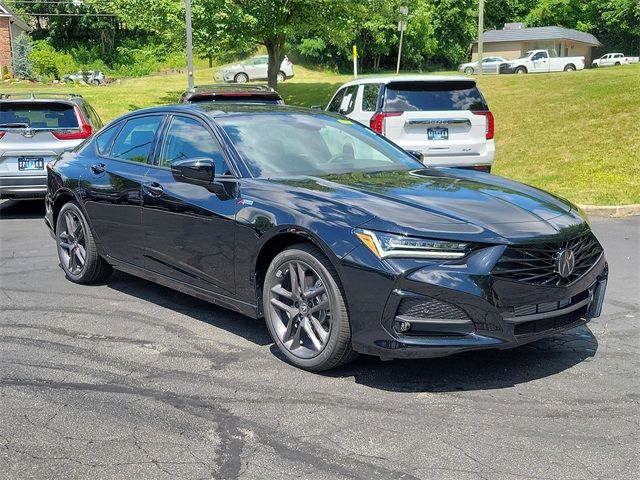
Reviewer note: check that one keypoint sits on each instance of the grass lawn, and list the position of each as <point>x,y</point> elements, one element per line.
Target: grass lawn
<point>575,134</point>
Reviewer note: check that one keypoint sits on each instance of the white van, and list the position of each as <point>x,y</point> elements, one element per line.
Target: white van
<point>444,117</point>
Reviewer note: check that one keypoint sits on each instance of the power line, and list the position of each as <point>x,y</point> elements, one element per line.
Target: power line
<point>43,14</point>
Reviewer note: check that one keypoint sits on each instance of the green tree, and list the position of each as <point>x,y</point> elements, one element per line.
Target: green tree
<point>22,67</point>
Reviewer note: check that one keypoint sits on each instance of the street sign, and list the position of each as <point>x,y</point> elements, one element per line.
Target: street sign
<point>402,26</point>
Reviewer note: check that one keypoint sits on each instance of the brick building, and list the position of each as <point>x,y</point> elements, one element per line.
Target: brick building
<point>10,27</point>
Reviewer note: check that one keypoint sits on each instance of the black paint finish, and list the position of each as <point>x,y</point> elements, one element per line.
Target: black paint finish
<point>211,239</point>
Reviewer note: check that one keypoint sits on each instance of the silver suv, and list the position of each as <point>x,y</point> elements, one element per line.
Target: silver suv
<point>34,129</point>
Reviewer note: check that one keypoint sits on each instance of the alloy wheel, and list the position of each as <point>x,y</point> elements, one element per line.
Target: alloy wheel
<point>300,308</point>
<point>71,243</point>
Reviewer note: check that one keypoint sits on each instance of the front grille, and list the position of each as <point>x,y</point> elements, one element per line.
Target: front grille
<point>535,263</point>
<point>538,326</point>
<point>430,308</point>
<point>545,307</point>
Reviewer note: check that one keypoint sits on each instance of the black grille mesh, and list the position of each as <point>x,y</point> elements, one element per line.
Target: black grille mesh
<point>430,308</point>
<point>534,263</point>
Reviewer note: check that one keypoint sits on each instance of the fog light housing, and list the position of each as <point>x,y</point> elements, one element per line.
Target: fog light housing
<point>404,326</point>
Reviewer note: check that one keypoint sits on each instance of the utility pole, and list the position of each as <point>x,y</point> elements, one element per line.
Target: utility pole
<point>480,33</point>
<point>402,25</point>
<point>189,44</point>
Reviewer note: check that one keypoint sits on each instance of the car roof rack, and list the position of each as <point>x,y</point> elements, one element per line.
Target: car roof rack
<point>38,95</point>
<point>232,86</point>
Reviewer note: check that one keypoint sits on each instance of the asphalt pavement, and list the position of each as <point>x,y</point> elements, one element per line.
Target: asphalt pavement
<point>130,380</point>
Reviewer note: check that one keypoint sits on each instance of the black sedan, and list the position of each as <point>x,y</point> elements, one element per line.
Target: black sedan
<point>345,243</point>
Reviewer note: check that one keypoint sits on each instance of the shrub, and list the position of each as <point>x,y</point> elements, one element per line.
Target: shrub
<point>43,56</point>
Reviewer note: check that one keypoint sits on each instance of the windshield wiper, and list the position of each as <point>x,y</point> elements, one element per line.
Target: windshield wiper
<point>14,125</point>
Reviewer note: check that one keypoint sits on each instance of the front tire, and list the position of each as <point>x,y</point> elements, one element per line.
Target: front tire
<point>305,309</point>
<point>469,70</point>
<point>241,78</point>
<point>281,77</point>
<point>521,70</point>
<point>77,248</point>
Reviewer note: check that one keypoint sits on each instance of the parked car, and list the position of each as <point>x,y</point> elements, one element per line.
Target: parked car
<point>344,242</point>
<point>542,61</point>
<point>612,59</point>
<point>34,129</point>
<point>489,65</point>
<point>254,69</point>
<point>93,77</point>
<point>445,118</point>
<point>232,93</point>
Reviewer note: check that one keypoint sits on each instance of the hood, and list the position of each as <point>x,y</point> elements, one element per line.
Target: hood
<point>447,203</point>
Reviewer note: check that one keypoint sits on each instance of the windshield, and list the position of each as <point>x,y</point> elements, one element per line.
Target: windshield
<point>278,144</point>
<point>37,115</point>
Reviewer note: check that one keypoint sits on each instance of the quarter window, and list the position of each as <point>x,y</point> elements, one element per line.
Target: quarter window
<point>135,140</point>
<point>188,138</point>
<point>104,139</point>
<point>370,97</point>
<point>334,106</point>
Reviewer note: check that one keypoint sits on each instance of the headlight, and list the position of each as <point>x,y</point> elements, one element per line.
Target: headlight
<point>385,245</point>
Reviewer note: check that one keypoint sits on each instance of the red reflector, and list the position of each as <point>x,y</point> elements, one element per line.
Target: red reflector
<point>490,123</point>
<point>377,121</point>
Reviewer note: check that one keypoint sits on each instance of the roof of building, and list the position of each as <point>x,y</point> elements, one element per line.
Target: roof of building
<point>539,33</point>
<point>17,21</point>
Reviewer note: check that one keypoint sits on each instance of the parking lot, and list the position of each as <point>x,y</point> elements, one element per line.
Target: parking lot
<point>132,380</point>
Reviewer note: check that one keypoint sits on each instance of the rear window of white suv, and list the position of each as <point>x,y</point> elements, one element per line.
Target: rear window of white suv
<point>433,96</point>
<point>38,115</point>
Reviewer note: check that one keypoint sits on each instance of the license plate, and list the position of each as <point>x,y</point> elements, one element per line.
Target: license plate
<point>438,133</point>
<point>30,163</point>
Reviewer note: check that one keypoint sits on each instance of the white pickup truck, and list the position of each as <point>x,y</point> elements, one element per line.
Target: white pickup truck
<point>614,59</point>
<point>536,61</point>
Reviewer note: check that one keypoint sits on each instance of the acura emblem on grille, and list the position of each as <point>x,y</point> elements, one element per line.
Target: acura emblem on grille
<point>565,261</point>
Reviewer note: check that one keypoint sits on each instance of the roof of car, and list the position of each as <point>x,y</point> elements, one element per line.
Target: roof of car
<point>386,79</point>
<point>41,97</point>
<point>220,109</point>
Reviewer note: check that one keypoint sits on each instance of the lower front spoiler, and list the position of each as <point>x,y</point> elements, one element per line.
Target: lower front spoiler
<point>405,346</point>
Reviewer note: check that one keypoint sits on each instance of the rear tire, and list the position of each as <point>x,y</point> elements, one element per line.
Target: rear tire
<point>241,78</point>
<point>617,64</point>
<point>77,250</point>
<point>305,309</point>
<point>570,68</point>
<point>521,70</point>
<point>281,77</point>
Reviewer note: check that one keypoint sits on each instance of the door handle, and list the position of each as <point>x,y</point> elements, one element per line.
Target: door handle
<point>153,188</point>
<point>97,168</point>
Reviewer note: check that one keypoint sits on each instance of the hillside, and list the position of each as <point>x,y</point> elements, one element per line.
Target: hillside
<point>575,134</point>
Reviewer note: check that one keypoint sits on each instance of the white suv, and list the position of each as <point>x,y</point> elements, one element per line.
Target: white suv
<point>443,117</point>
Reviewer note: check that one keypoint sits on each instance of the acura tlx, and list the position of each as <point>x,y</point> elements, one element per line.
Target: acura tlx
<point>341,240</point>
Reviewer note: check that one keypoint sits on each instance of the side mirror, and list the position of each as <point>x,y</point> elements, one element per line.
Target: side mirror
<point>200,171</point>
<point>417,154</point>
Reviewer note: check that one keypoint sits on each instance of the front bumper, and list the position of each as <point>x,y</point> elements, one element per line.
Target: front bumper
<point>489,312</point>
<point>23,186</point>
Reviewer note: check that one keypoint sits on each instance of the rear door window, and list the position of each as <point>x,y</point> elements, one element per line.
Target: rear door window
<point>135,140</point>
<point>433,96</point>
<point>35,115</point>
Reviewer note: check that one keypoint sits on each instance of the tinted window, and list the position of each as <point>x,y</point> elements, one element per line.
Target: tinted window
<point>334,106</point>
<point>38,114</point>
<point>135,140</point>
<point>349,100</point>
<point>104,139</point>
<point>286,144</point>
<point>370,97</point>
<point>433,96</point>
<point>188,138</point>
<point>93,117</point>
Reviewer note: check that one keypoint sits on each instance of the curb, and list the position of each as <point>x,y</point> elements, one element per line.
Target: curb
<point>614,211</point>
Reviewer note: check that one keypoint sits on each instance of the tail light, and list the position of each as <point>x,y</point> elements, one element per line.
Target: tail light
<point>377,121</point>
<point>2,134</point>
<point>72,134</point>
<point>490,123</point>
